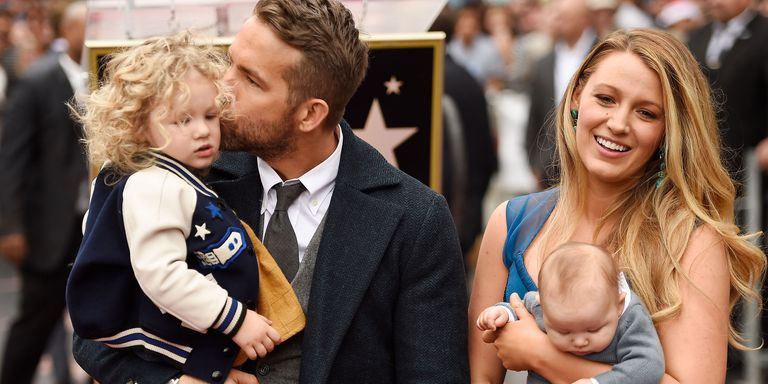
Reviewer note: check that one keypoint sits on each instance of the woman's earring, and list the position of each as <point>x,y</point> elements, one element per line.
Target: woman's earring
<point>662,168</point>
<point>574,117</point>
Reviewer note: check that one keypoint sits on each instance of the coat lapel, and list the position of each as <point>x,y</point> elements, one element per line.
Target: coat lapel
<point>741,47</point>
<point>357,233</point>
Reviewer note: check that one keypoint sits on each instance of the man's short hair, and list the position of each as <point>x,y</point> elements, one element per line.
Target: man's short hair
<point>334,60</point>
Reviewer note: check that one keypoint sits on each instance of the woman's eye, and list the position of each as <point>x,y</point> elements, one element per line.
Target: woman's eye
<point>604,99</point>
<point>648,115</point>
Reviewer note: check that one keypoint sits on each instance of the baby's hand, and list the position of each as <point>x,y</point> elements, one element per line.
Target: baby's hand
<point>492,318</point>
<point>256,337</point>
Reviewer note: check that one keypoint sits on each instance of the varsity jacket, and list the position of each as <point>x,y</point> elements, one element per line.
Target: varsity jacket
<point>165,266</point>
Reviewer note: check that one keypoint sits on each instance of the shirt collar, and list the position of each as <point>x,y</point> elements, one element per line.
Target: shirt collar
<point>75,74</point>
<point>318,181</point>
<point>582,46</point>
<point>738,24</point>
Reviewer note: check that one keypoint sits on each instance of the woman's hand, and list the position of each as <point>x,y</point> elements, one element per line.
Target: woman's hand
<point>515,342</point>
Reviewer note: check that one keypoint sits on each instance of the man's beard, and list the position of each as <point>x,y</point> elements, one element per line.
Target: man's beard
<point>265,139</point>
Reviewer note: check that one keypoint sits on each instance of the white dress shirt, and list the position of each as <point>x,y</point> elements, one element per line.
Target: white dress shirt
<point>725,35</point>
<point>78,79</point>
<point>308,210</point>
<point>568,59</point>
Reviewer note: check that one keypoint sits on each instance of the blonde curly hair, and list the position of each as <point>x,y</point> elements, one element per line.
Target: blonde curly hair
<point>654,223</point>
<point>139,80</point>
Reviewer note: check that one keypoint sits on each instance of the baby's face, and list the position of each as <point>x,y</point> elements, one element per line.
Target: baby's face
<point>582,327</point>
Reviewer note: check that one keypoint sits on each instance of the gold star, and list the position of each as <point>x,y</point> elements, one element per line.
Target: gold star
<point>384,139</point>
<point>393,85</point>
<point>202,231</point>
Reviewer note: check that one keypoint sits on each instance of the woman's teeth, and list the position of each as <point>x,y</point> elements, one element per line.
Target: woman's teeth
<point>611,145</point>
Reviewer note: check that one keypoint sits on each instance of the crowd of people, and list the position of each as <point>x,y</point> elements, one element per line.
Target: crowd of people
<point>614,138</point>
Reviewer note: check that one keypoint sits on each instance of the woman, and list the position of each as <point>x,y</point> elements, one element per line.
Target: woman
<point>641,175</point>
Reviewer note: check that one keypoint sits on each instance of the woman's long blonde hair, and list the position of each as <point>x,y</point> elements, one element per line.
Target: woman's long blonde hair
<point>654,224</point>
<point>136,81</point>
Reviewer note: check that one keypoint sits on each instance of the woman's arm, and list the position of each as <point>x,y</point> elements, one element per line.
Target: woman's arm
<point>487,289</point>
<point>695,342</point>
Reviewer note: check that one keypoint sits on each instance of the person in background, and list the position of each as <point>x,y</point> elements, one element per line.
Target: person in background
<point>573,38</point>
<point>44,195</point>
<point>474,50</point>
<point>602,13</point>
<point>733,51</point>
<point>469,158</point>
<point>680,17</point>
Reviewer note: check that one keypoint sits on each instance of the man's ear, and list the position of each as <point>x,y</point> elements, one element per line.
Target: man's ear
<point>312,114</point>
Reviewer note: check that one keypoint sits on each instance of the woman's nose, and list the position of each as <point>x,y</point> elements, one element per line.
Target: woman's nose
<point>618,121</point>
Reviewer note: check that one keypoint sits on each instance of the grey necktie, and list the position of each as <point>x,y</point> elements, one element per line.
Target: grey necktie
<point>279,238</point>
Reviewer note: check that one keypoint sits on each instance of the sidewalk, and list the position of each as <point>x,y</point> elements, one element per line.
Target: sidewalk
<point>9,295</point>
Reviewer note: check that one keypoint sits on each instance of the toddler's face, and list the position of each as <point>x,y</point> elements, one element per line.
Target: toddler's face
<point>189,132</point>
<point>582,327</point>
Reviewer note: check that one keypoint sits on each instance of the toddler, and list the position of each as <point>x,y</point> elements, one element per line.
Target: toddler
<point>165,266</point>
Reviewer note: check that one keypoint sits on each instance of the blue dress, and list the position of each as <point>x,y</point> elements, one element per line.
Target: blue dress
<point>525,217</point>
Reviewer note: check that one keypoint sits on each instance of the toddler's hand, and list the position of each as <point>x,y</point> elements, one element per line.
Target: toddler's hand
<point>492,318</point>
<point>256,337</point>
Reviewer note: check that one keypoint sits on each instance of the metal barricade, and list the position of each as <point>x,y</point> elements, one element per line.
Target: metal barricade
<point>754,361</point>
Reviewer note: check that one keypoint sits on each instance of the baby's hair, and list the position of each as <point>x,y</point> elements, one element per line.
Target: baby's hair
<point>136,81</point>
<point>573,267</point>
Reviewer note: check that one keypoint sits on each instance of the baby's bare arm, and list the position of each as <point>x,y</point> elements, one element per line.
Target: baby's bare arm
<point>492,317</point>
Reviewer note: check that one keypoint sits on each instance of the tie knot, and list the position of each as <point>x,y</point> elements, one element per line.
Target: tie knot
<point>286,194</point>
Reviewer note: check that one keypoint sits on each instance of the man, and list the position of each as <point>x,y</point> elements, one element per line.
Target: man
<point>380,272</point>
<point>43,196</point>
<point>573,39</point>
<point>734,54</point>
<point>469,154</point>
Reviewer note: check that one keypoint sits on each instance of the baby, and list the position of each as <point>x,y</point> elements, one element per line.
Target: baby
<point>586,308</point>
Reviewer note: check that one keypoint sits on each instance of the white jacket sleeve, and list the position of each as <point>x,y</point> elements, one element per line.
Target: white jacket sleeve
<point>157,213</point>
